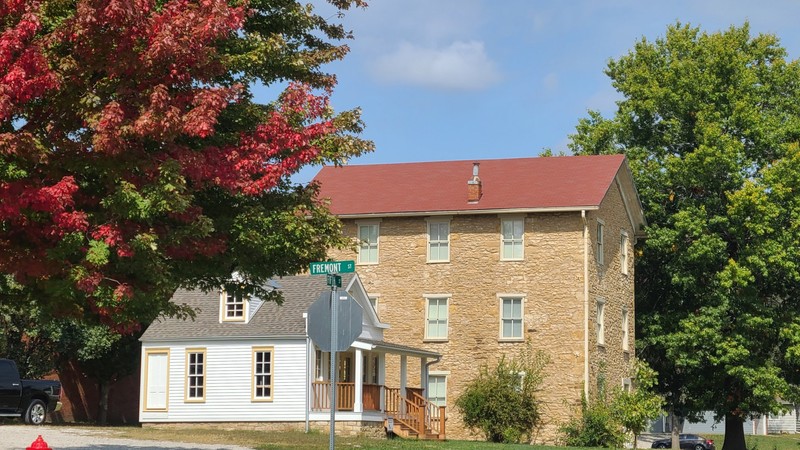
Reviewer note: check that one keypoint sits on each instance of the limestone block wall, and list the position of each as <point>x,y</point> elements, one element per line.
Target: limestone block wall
<point>550,279</point>
<point>609,363</point>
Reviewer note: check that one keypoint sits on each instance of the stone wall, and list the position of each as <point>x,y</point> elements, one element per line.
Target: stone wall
<point>343,428</point>
<point>610,364</point>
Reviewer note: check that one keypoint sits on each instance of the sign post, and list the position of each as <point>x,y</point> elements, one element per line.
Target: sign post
<point>332,269</point>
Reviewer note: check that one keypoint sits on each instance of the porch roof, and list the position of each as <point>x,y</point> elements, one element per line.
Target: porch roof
<point>398,349</point>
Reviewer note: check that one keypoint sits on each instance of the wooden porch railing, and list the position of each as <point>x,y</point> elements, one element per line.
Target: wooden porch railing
<point>416,412</point>
<point>345,396</point>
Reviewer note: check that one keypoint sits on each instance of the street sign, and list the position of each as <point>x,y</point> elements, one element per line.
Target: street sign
<point>348,321</point>
<point>326,267</point>
<point>334,280</point>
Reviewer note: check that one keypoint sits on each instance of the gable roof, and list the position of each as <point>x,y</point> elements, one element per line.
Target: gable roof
<point>270,320</point>
<point>564,182</point>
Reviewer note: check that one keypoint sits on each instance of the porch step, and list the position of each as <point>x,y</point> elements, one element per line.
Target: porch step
<point>404,431</point>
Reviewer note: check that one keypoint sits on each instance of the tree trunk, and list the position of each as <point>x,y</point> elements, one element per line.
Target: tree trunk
<point>102,413</point>
<point>734,433</point>
<point>675,431</point>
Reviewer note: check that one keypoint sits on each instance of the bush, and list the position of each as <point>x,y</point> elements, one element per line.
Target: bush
<point>596,427</point>
<point>501,403</point>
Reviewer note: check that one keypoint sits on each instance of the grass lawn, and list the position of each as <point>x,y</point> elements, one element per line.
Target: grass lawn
<point>771,442</point>
<point>266,440</point>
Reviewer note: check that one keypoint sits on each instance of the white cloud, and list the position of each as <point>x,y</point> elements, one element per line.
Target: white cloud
<point>459,66</point>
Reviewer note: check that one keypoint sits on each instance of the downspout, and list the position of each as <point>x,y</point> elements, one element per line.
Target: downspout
<point>308,372</point>
<point>585,304</point>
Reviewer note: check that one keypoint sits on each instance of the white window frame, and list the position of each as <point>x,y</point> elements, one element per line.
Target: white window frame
<point>600,319</point>
<point>502,299</point>
<point>369,245</point>
<point>374,300</point>
<point>601,246</point>
<point>224,302</point>
<point>627,385</point>
<point>625,333</point>
<point>255,374</point>
<point>438,376</point>
<point>438,298</point>
<point>438,222</point>
<point>514,240</point>
<point>623,252</point>
<point>199,376</point>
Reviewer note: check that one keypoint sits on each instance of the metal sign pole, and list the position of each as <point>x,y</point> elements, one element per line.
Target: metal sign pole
<point>334,344</point>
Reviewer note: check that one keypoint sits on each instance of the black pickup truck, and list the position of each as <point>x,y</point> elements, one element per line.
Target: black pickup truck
<point>30,399</point>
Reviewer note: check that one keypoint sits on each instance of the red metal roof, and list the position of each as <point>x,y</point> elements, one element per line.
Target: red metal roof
<point>507,184</point>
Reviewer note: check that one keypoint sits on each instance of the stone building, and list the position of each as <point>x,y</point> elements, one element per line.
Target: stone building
<point>472,259</point>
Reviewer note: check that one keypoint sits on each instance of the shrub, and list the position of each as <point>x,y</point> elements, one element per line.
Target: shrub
<point>595,427</point>
<point>501,403</point>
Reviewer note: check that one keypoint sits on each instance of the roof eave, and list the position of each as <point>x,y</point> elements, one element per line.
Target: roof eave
<point>551,209</point>
<point>220,338</point>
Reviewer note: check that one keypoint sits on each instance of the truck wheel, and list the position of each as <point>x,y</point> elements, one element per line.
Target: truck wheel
<point>36,413</point>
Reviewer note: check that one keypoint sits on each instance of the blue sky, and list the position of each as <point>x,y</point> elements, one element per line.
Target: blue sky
<point>477,79</point>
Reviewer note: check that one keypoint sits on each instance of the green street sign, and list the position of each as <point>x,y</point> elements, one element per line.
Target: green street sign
<point>331,267</point>
<point>334,280</point>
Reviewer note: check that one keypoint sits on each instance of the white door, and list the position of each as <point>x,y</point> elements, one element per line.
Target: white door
<point>156,382</point>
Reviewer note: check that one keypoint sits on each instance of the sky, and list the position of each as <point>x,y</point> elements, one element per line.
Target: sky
<point>479,79</point>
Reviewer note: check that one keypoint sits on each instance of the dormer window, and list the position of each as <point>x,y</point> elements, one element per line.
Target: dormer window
<point>233,306</point>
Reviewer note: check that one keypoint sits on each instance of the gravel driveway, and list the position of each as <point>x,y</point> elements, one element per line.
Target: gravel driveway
<point>19,437</point>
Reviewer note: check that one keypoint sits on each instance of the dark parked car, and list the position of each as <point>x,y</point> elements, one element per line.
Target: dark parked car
<point>29,399</point>
<point>687,441</point>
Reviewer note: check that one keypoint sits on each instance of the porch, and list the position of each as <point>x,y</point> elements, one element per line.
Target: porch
<point>361,390</point>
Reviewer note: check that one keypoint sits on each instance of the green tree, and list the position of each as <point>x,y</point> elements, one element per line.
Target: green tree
<point>502,402</point>
<point>710,125</point>
<point>635,409</point>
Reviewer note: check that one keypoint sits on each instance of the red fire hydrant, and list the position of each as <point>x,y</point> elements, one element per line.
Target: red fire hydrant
<point>39,444</point>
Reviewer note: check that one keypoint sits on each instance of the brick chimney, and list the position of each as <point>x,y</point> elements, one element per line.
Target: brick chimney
<point>474,190</point>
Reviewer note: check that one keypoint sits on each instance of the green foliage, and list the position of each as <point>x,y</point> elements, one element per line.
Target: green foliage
<point>501,403</point>
<point>709,124</point>
<point>635,409</point>
<point>595,426</point>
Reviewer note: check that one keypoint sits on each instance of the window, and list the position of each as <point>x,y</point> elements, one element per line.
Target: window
<point>262,373</point>
<point>511,239</point>
<point>373,300</point>
<point>600,243</point>
<point>623,252</point>
<point>233,308</point>
<point>625,329</point>
<point>156,375</point>
<point>601,331</point>
<point>368,243</point>
<point>437,389</point>
<point>436,318</point>
<point>438,241</point>
<point>626,385</point>
<point>319,366</point>
<point>511,318</point>
<point>369,375</point>
<point>195,374</point>
<point>374,370</point>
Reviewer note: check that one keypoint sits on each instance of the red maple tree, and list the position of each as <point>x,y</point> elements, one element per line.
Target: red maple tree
<point>133,159</point>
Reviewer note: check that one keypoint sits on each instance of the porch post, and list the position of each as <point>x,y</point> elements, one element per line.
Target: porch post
<point>382,378</point>
<point>359,382</point>
<point>403,375</point>
<point>423,376</point>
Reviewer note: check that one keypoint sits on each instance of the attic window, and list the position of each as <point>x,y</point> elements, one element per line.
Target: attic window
<point>234,306</point>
